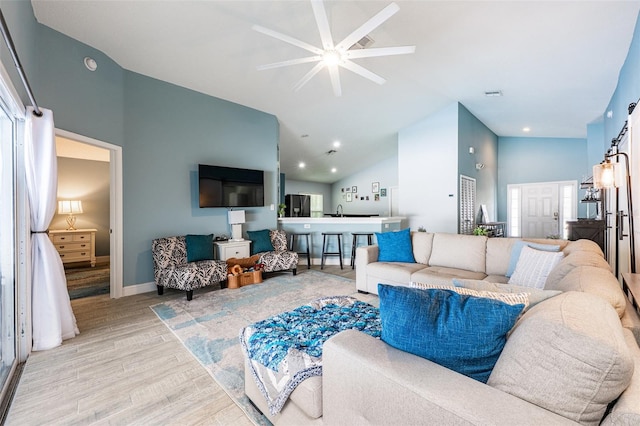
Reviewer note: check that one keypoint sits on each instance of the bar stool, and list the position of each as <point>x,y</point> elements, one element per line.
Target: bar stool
<point>307,253</point>
<point>331,253</point>
<point>354,244</point>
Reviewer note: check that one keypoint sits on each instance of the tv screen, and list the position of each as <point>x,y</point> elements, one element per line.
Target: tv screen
<point>230,187</point>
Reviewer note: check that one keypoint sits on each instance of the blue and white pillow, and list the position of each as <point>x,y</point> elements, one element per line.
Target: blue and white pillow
<point>517,249</point>
<point>534,267</point>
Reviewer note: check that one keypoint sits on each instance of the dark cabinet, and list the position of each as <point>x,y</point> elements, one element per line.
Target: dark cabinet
<point>587,229</point>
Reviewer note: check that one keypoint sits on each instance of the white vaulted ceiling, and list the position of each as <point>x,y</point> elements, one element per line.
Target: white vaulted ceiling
<point>556,63</point>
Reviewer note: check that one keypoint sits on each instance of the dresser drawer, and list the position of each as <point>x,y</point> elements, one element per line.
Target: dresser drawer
<point>77,245</point>
<point>67,238</point>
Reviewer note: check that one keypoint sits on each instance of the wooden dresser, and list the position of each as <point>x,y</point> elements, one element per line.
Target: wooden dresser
<point>78,245</point>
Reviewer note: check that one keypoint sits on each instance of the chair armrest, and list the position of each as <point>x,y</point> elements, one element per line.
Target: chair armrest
<point>364,380</point>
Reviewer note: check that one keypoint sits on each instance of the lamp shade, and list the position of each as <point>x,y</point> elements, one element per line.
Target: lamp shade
<point>236,216</point>
<point>608,175</point>
<point>69,207</point>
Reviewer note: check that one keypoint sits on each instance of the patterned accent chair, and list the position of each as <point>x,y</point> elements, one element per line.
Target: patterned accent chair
<point>171,269</point>
<point>281,259</point>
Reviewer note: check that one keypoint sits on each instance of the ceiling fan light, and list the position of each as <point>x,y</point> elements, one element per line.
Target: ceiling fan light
<point>331,57</point>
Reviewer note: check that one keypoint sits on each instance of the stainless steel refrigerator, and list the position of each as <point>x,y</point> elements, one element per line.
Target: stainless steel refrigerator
<point>297,205</point>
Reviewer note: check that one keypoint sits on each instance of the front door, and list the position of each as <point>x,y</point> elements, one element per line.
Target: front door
<point>540,210</point>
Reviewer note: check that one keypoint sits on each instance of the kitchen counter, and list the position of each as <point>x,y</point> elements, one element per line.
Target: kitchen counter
<point>345,225</point>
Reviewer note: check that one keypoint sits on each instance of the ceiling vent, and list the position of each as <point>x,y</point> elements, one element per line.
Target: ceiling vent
<point>493,93</point>
<point>331,152</point>
<point>363,43</point>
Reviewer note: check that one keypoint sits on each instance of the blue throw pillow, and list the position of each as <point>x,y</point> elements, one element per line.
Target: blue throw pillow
<point>260,241</point>
<point>463,333</point>
<point>199,247</point>
<point>395,246</point>
<point>517,249</point>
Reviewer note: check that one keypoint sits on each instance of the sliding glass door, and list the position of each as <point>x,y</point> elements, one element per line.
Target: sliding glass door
<point>8,258</point>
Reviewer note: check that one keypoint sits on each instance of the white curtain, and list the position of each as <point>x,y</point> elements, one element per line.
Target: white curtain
<point>52,316</point>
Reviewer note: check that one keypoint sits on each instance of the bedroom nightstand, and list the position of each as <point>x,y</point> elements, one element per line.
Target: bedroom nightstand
<point>78,245</point>
<point>228,249</point>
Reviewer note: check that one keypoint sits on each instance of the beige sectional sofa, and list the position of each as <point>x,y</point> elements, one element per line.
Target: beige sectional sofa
<point>565,360</point>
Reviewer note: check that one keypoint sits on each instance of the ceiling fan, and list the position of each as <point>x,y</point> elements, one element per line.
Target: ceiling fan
<point>333,56</point>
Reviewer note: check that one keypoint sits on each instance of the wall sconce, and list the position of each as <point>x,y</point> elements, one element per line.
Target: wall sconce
<point>612,175</point>
<point>236,219</point>
<point>70,207</point>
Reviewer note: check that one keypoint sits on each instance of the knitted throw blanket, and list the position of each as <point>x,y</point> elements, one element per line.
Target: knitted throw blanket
<point>286,349</point>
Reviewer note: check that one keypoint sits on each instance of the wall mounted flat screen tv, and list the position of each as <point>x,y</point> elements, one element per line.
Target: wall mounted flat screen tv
<point>230,187</point>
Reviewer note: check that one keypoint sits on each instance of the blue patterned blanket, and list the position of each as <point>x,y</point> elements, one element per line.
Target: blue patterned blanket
<point>286,349</point>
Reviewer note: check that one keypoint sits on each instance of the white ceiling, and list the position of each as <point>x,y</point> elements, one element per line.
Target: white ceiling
<point>556,62</point>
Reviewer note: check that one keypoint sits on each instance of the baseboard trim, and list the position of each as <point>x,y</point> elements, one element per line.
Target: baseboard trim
<point>131,290</point>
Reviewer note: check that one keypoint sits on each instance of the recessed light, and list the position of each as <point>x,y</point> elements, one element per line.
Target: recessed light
<point>336,144</point>
<point>526,129</point>
<point>90,63</point>
<point>333,170</point>
<point>301,165</point>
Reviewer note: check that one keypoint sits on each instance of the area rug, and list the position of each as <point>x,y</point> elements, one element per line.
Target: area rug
<point>87,281</point>
<point>209,325</point>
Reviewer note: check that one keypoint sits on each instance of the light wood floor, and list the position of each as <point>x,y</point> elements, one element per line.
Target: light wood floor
<point>124,368</point>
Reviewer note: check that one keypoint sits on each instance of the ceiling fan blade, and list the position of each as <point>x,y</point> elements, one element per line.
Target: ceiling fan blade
<point>381,51</point>
<point>368,26</point>
<point>335,80</point>
<point>308,76</point>
<point>362,71</point>
<point>323,24</point>
<point>287,39</point>
<point>289,62</point>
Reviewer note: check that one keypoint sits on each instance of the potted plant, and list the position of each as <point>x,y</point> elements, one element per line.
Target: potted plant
<point>480,231</point>
<point>281,208</point>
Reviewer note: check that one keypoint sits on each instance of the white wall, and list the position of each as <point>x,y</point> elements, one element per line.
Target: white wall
<point>385,173</point>
<point>428,172</point>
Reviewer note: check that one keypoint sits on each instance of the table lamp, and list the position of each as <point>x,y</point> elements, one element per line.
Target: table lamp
<point>71,208</point>
<point>236,219</point>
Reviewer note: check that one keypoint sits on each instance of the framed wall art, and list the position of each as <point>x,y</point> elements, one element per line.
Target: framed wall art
<point>375,187</point>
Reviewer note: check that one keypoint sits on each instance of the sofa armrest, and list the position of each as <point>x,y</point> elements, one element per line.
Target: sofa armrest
<point>366,381</point>
<point>364,256</point>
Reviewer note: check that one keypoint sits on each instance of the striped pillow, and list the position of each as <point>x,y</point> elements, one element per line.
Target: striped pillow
<point>534,267</point>
<point>508,298</point>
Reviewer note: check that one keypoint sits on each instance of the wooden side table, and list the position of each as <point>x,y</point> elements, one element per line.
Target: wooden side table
<point>631,287</point>
<point>228,249</point>
<point>77,245</point>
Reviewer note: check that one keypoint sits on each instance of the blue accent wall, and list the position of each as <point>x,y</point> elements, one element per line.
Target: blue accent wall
<point>528,160</point>
<point>169,130</point>
<point>627,91</point>
<point>473,133</point>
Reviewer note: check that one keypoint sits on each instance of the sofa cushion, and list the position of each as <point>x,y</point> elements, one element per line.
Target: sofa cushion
<point>568,355</point>
<point>395,246</point>
<point>421,242</point>
<point>583,245</point>
<point>498,255</point>
<point>393,272</point>
<point>199,247</point>
<point>534,267</point>
<point>626,411</point>
<point>594,280</point>
<point>260,241</point>
<point>516,250</point>
<point>573,260</point>
<point>535,295</point>
<point>459,251</point>
<point>462,333</point>
<point>442,275</point>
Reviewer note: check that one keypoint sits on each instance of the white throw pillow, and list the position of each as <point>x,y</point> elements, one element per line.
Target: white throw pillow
<point>534,267</point>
